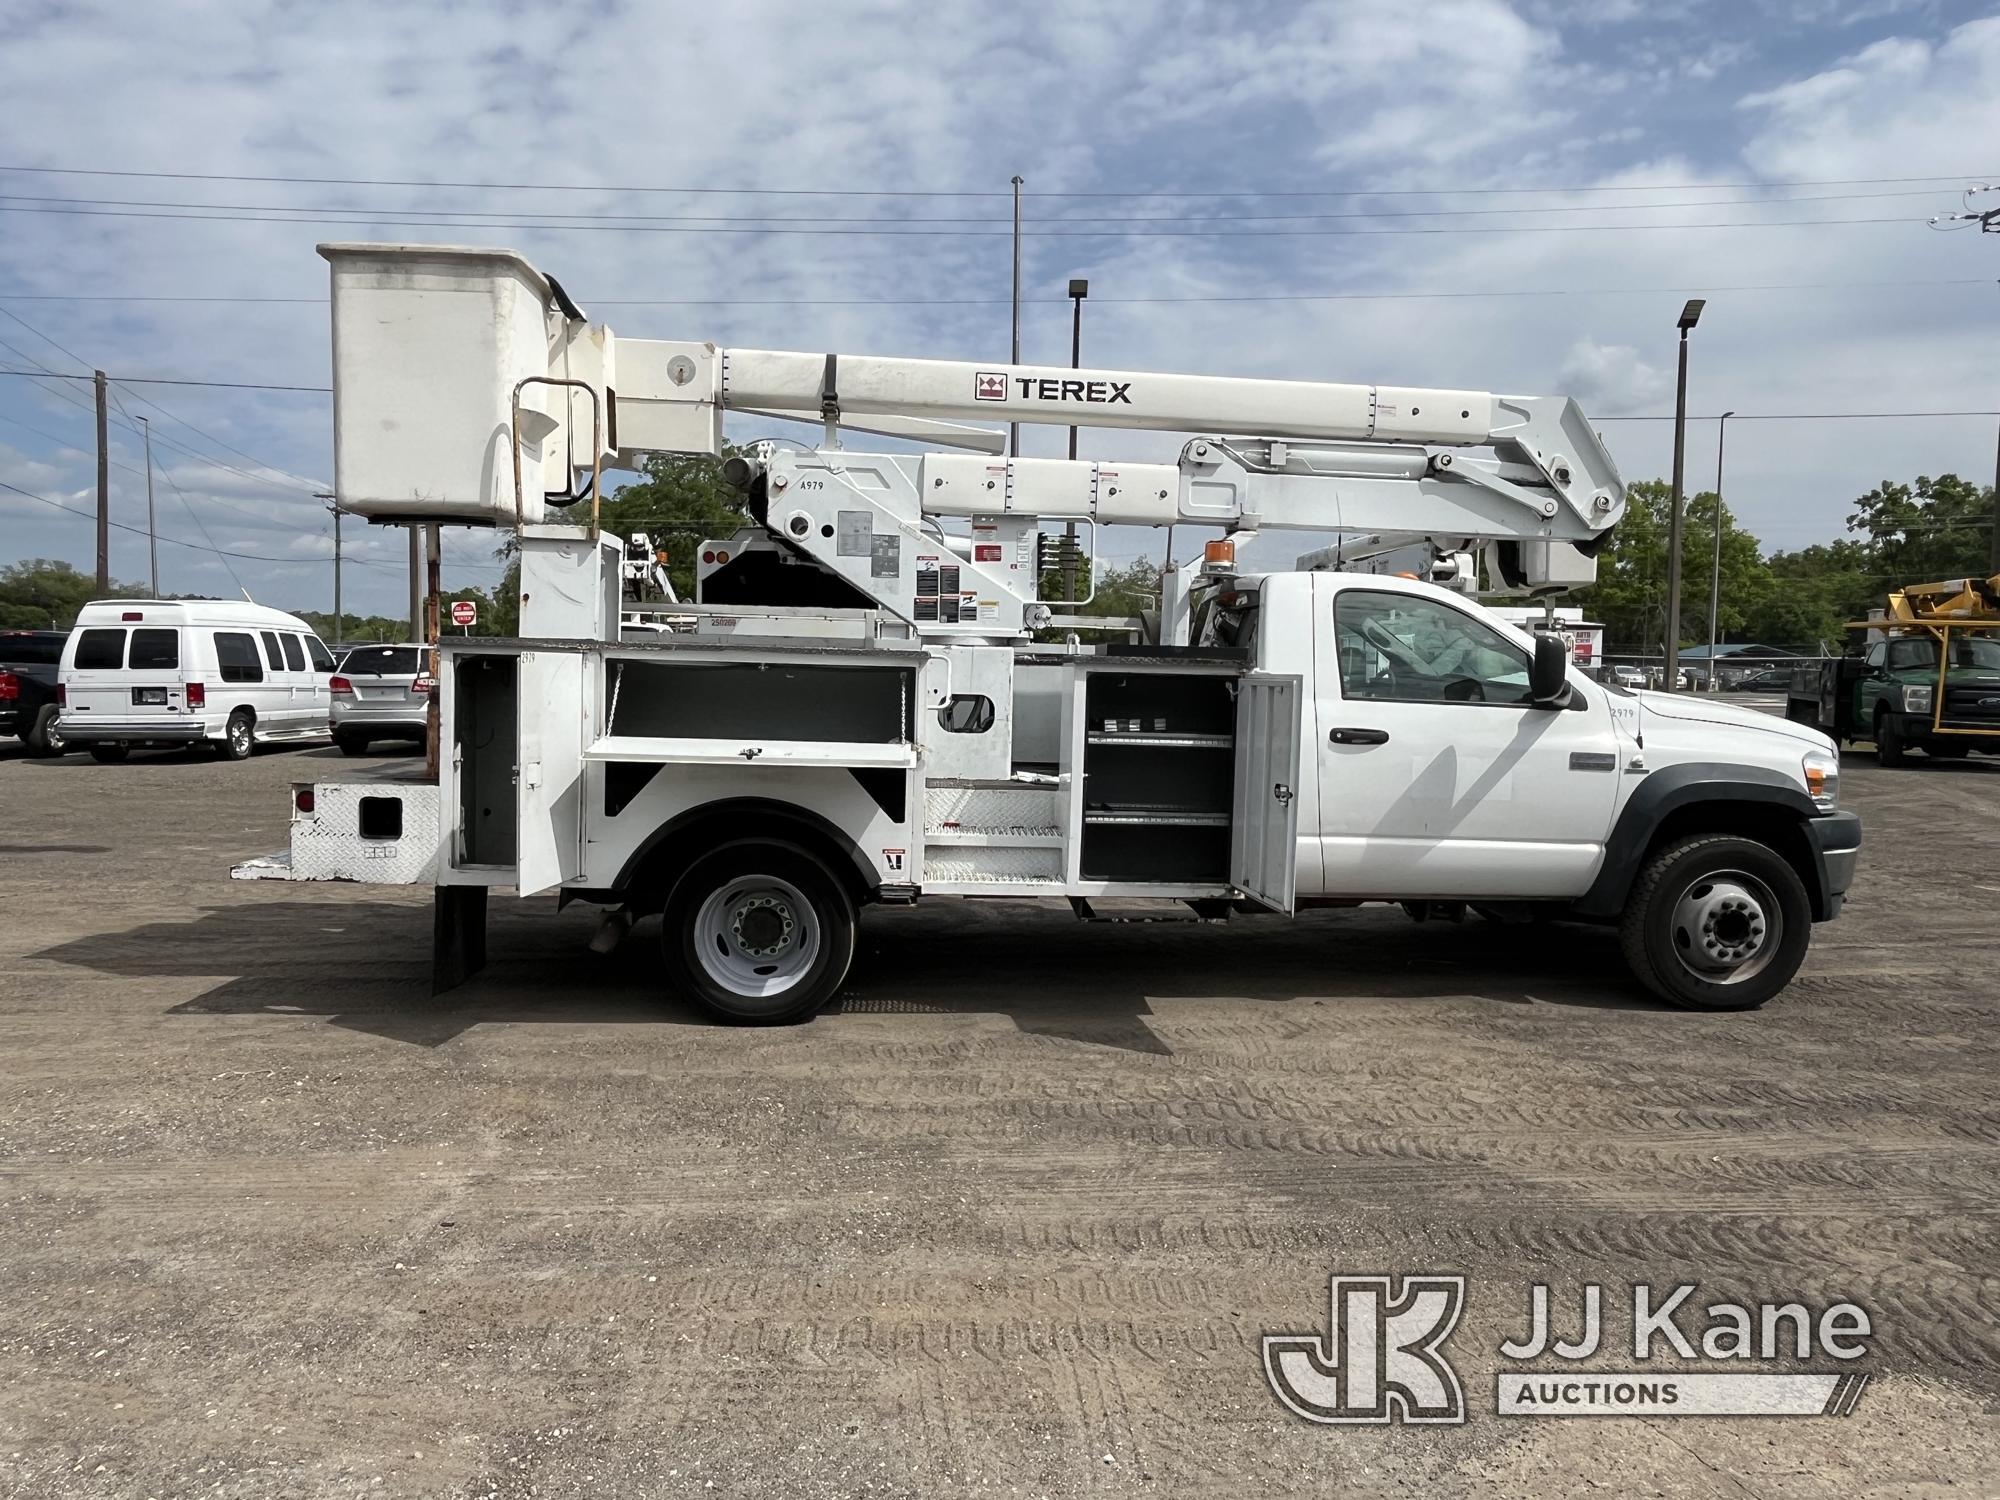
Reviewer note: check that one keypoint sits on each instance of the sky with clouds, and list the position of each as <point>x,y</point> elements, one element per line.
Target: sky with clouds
<point>1469,193</point>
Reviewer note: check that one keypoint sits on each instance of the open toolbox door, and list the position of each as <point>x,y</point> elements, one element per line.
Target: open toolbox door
<point>549,785</point>
<point>1264,825</point>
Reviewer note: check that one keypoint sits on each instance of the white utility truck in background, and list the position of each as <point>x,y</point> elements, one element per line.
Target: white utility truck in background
<point>854,710</point>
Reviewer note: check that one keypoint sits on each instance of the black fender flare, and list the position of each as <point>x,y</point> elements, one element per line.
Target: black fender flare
<point>763,816</point>
<point>1671,789</point>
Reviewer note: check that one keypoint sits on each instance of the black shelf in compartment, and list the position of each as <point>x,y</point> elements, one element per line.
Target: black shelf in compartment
<point>1159,704</point>
<point>1156,853</point>
<point>1161,741</point>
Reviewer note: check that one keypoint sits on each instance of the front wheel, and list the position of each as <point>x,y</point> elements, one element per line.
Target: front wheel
<point>1890,746</point>
<point>1716,923</point>
<point>758,932</point>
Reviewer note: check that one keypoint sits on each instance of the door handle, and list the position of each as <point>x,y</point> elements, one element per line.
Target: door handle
<point>1358,736</point>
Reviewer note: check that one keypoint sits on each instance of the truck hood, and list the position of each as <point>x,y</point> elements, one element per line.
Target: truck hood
<point>1701,708</point>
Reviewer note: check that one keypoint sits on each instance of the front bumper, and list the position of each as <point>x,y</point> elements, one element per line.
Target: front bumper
<point>1836,840</point>
<point>1916,730</point>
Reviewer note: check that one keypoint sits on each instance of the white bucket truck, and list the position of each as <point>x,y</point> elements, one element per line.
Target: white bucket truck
<point>854,710</point>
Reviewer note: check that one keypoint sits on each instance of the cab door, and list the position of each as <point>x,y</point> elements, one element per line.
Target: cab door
<point>1437,778</point>
<point>1264,822</point>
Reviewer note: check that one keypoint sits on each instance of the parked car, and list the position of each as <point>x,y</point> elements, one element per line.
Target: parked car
<point>380,693</point>
<point>1770,680</point>
<point>150,672</point>
<point>1628,677</point>
<point>29,662</point>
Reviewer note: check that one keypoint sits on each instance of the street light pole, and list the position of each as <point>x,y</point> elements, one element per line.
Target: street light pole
<point>1670,677</point>
<point>1715,579</point>
<point>1014,428</point>
<point>1078,290</point>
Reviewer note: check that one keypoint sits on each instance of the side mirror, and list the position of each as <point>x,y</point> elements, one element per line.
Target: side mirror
<point>1548,678</point>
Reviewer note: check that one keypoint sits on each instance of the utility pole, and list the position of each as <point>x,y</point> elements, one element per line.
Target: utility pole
<point>416,588</point>
<point>1078,290</point>
<point>103,492</point>
<point>339,630</point>
<point>1014,428</point>
<point>1670,677</point>
<point>434,562</point>
<point>1715,580</point>
<point>1993,556</point>
<point>152,535</point>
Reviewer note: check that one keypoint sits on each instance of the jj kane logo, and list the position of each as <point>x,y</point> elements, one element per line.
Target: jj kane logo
<point>1382,1358</point>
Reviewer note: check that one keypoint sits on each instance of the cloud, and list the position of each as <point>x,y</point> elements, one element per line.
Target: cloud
<point>1199,96</point>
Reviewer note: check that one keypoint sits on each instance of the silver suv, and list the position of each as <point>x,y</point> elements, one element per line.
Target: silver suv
<point>380,693</point>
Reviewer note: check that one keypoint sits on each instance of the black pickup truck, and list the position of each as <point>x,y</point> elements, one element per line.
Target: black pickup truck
<point>29,661</point>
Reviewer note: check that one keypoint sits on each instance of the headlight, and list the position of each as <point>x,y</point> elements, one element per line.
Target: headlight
<point>1822,773</point>
<point>1917,700</point>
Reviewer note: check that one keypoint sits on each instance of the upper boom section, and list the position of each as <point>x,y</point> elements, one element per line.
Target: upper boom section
<point>469,388</point>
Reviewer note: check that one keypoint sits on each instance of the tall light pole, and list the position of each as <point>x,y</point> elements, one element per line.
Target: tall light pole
<point>1014,428</point>
<point>1078,290</point>
<point>1670,678</point>
<point>152,536</point>
<point>1715,578</point>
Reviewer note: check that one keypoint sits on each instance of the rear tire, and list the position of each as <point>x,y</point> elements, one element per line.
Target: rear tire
<point>758,932</point>
<point>1716,923</point>
<point>351,744</point>
<point>238,737</point>
<point>1890,749</point>
<point>108,754</point>
<point>42,737</point>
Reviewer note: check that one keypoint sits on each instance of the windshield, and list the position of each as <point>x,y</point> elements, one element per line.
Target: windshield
<point>1976,652</point>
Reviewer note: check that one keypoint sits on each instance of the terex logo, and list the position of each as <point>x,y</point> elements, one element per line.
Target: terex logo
<point>1379,1360</point>
<point>1098,392</point>
<point>987,385</point>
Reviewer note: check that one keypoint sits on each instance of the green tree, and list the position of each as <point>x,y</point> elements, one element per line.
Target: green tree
<point>682,502</point>
<point>1630,594</point>
<point>1935,529</point>
<point>43,594</point>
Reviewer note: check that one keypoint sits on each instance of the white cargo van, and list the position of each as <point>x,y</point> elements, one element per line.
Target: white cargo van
<point>153,672</point>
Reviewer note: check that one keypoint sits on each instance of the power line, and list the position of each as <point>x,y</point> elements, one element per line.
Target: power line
<point>173,541</point>
<point>1635,291</point>
<point>227,385</point>
<point>1806,416</point>
<point>1957,179</point>
<point>750,221</point>
<point>299,480</point>
<point>364,220</point>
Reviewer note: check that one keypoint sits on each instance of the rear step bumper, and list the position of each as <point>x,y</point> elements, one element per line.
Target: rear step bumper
<point>130,731</point>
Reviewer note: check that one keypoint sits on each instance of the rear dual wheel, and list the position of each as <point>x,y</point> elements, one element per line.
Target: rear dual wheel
<point>759,932</point>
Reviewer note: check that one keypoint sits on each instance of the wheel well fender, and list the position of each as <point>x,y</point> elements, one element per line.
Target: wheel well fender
<point>650,870</point>
<point>1707,797</point>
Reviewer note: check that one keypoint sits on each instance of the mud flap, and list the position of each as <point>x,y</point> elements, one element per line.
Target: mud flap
<point>458,935</point>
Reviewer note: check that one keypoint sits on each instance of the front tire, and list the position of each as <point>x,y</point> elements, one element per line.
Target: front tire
<point>42,737</point>
<point>758,932</point>
<point>237,737</point>
<point>1716,923</point>
<point>1890,747</point>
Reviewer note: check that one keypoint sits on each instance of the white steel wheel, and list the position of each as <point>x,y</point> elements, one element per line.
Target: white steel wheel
<point>756,936</point>
<point>758,931</point>
<point>1726,926</point>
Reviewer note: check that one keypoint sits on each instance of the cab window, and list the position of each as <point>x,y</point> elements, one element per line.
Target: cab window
<point>322,659</point>
<point>1910,656</point>
<point>1406,649</point>
<point>1876,654</point>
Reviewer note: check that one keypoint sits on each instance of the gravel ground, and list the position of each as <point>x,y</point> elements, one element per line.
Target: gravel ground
<point>1008,1220</point>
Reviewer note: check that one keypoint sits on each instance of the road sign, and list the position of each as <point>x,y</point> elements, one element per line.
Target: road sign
<point>463,612</point>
